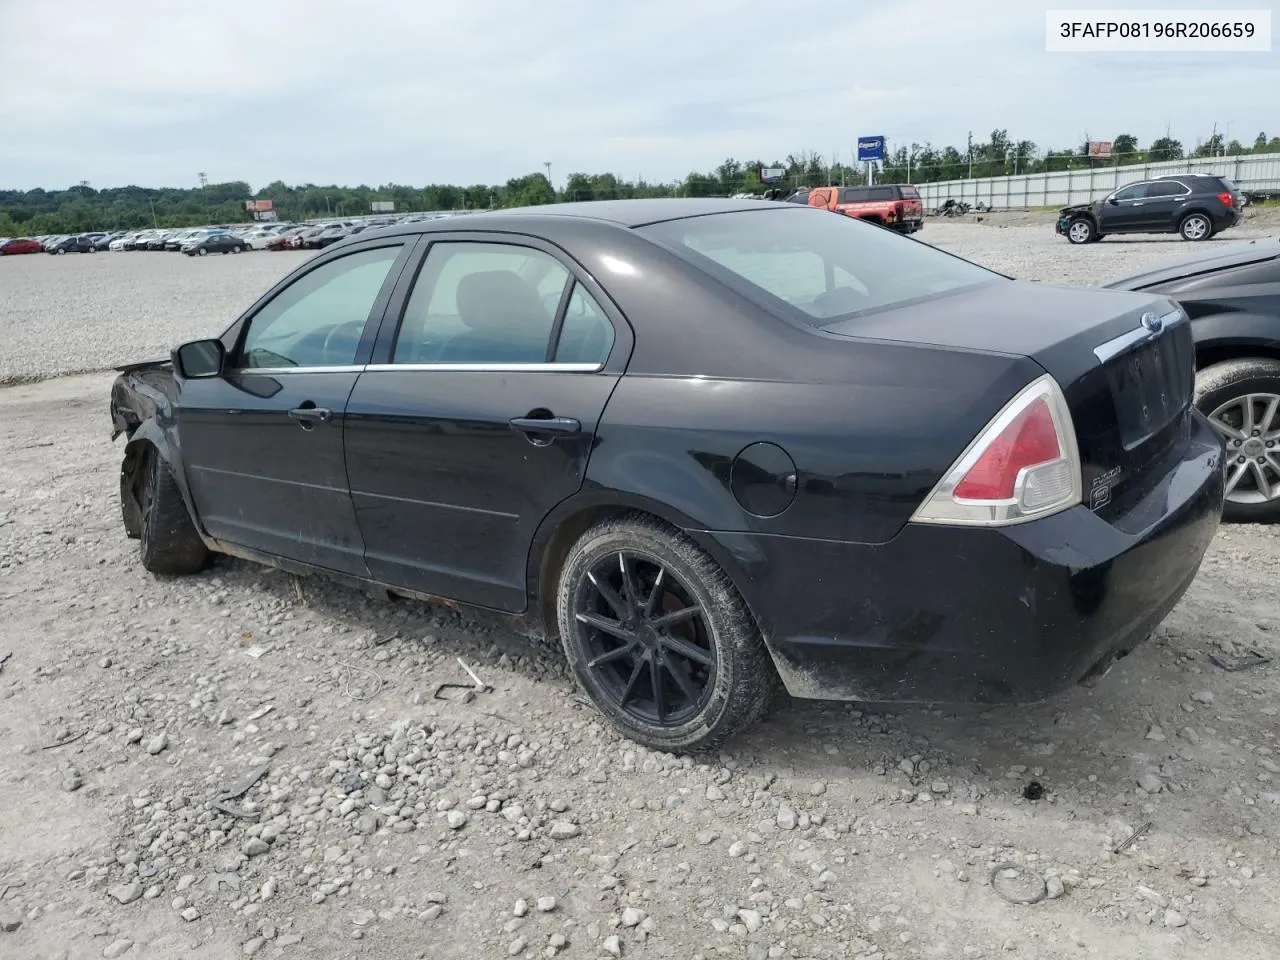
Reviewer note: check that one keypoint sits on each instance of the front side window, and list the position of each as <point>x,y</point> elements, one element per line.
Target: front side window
<point>318,319</point>
<point>815,268</point>
<point>1165,188</point>
<point>1131,192</point>
<point>484,303</point>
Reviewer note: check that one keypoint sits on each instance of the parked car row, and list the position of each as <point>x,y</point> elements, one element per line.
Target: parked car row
<point>201,241</point>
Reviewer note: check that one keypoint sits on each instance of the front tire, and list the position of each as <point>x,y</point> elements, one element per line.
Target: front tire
<point>1082,230</point>
<point>658,637</point>
<point>169,543</point>
<point>1241,398</point>
<point>1195,227</point>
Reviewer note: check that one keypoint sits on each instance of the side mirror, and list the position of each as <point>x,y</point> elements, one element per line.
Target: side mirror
<point>1113,201</point>
<point>199,359</point>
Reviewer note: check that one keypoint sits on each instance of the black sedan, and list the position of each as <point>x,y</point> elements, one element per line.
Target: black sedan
<point>78,244</point>
<point>206,244</point>
<point>1233,298</point>
<point>707,443</point>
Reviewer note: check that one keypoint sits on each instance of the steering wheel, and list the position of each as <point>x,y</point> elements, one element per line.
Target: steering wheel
<point>359,326</point>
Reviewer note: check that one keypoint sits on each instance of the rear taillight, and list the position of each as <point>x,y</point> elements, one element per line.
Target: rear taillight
<point>1023,465</point>
<point>1227,199</point>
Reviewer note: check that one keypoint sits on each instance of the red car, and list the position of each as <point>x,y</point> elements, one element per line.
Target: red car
<point>20,245</point>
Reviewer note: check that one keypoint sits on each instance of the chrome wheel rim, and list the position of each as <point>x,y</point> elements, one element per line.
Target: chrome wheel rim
<point>1250,423</point>
<point>1078,231</point>
<point>646,639</point>
<point>1195,228</point>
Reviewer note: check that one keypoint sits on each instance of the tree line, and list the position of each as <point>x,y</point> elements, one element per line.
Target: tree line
<point>82,208</point>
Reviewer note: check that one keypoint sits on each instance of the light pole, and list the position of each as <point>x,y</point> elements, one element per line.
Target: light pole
<point>547,164</point>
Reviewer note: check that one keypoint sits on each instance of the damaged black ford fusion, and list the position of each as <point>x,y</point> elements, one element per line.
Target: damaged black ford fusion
<point>713,445</point>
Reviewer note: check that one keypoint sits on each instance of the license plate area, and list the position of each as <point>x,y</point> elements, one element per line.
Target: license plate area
<point>1151,387</point>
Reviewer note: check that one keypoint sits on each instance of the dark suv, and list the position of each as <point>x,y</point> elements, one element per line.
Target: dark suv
<point>1197,206</point>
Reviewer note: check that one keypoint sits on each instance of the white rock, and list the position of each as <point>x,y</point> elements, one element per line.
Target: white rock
<point>546,904</point>
<point>612,946</point>
<point>633,917</point>
<point>750,919</point>
<point>564,830</point>
<point>456,819</point>
<point>1172,918</point>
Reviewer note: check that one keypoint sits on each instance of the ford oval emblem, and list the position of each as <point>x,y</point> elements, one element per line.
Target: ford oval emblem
<point>1152,322</point>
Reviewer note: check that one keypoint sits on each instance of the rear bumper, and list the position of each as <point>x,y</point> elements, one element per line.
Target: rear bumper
<point>955,614</point>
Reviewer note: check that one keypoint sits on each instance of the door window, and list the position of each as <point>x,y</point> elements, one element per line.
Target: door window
<point>483,303</point>
<point>1132,192</point>
<point>1165,188</point>
<point>586,335</point>
<point>319,318</point>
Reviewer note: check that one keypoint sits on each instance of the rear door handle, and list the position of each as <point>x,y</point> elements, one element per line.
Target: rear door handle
<point>560,426</point>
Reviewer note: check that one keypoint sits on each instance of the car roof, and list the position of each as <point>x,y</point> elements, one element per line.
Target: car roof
<point>624,213</point>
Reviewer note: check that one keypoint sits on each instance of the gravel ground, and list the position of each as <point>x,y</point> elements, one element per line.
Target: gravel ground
<point>395,825</point>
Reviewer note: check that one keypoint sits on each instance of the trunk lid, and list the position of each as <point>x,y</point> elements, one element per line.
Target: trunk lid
<point>1232,255</point>
<point>1129,388</point>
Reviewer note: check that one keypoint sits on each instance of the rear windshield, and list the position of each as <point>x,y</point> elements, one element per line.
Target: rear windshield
<point>814,266</point>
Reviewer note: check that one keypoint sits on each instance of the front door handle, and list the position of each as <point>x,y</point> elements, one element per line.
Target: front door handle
<point>308,415</point>
<point>559,426</point>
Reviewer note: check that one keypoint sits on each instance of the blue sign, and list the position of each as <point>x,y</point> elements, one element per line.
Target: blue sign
<point>870,148</point>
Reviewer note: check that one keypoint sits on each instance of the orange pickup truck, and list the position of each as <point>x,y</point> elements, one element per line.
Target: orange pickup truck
<point>894,205</point>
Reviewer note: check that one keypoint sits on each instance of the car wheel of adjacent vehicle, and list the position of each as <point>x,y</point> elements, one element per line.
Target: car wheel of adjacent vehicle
<point>1195,226</point>
<point>235,249</point>
<point>1241,398</point>
<point>203,252</point>
<point>169,541</point>
<point>1082,230</point>
<point>658,637</point>
<point>61,250</point>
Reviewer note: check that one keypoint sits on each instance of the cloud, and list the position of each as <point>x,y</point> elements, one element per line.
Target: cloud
<point>139,91</point>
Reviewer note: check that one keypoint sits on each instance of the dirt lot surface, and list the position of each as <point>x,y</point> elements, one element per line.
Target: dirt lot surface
<point>391,824</point>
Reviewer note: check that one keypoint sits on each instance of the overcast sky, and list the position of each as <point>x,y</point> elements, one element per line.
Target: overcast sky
<point>381,91</point>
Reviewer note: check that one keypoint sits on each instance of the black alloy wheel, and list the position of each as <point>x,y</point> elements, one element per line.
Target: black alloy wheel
<point>647,638</point>
<point>659,638</point>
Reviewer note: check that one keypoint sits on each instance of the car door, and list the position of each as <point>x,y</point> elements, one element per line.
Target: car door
<point>262,444</point>
<point>481,416</point>
<point>1162,203</point>
<point>1122,211</point>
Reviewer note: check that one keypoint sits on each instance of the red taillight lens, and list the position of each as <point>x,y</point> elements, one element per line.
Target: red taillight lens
<point>1029,440</point>
<point>1024,464</point>
<point>1227,199</point>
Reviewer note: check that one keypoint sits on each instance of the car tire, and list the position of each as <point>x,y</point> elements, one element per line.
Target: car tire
<point>1082,230</point>
<point>168,541</point>
<point>60,251</point>
<point>1224,392</point>
<point>203,252</point>
<point>714,675</point>
<point>1195,227</point>
<point>235,249</point>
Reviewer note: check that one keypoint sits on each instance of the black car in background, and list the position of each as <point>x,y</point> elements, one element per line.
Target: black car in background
<point>707,443</point>
<point>77,244</point>
<point>205,244</point>
<point>1233,298</point>
<point>1197,206</point>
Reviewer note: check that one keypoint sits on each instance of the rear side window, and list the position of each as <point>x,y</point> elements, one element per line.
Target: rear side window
<point>854,195</point>
<point>909,192</point>
<point>1165,188</point>
<point>816,269</point>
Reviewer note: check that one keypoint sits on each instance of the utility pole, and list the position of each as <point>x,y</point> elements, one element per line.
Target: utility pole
<point>154,222</point>
<point>970,154</point>
<point>547,164</point>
